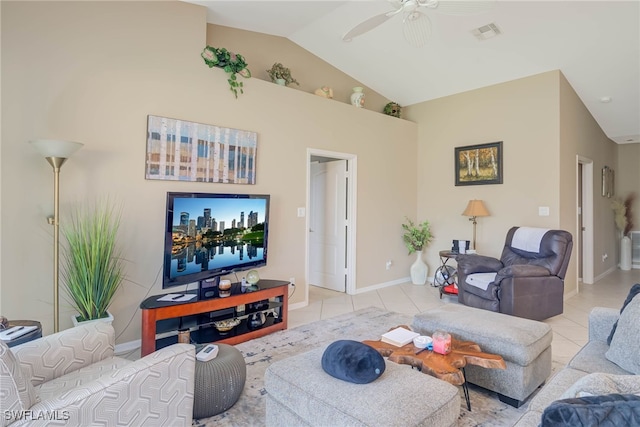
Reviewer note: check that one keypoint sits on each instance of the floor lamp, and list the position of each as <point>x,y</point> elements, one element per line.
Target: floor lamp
<point>475,208</point>
<point>56,152</point>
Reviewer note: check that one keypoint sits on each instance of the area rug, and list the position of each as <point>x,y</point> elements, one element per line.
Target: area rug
<point>368,323</point>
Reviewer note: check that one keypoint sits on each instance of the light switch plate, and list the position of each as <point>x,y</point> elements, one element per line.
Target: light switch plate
<point>301,212</point>
<point>543,211</point>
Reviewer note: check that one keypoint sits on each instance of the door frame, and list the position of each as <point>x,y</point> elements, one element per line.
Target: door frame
<point>587,217</point>
<point>350,248</point>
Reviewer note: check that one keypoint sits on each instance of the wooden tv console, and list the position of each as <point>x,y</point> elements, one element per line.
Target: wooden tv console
<point>162,319</point>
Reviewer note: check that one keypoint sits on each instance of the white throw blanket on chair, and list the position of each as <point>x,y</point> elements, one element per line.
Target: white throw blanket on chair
<point>480,280</point>
<point>528,238</point>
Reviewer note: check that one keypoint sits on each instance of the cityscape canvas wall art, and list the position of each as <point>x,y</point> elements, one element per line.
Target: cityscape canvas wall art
<point>180,150</point>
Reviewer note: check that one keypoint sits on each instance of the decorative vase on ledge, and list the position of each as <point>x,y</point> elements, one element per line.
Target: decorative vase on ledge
<point>419,270</point>
<point>357,97</point>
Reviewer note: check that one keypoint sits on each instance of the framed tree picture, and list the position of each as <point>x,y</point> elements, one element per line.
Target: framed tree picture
<point>479,164</point>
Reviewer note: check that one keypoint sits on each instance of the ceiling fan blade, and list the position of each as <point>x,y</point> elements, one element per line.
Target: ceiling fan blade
<point>366,26</point>
<point>469,7</point>
<point>416,28</point>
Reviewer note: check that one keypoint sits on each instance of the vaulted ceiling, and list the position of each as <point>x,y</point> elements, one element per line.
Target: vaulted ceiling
<point>596,45</point>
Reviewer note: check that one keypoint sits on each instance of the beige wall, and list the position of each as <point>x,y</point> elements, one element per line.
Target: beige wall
<point>543,126</point>
<point>93,71</point>
<point>628,177</point>
<point>581,135</point>
<point>262,50</point>
<point>521,113</point>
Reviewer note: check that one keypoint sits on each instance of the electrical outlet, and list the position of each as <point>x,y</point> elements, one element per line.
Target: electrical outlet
<point>292,281</point>
<point>389,264</point>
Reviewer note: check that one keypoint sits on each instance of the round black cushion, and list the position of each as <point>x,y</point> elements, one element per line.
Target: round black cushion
<point>352,361</point>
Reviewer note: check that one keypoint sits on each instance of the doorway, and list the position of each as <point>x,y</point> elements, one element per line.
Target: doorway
<point>584,232</point>
<point>331,183</point>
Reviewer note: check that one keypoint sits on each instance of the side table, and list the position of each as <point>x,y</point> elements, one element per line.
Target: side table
<point>446,276</point>
<point>36,333</point>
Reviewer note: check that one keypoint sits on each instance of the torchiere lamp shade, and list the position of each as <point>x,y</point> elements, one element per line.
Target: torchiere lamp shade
<point>56,147</point>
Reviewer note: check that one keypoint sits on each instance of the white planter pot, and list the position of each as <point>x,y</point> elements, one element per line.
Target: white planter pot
<point>625,253</point>
<point>109,319</point>
<point>419,270</point>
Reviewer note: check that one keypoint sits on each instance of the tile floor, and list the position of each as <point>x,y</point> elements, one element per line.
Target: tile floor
<point>569,329</point>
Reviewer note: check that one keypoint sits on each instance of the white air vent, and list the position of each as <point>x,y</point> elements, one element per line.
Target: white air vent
<point>486,31</point>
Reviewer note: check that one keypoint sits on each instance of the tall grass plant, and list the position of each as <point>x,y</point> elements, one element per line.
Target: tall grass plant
<point>93,268</point>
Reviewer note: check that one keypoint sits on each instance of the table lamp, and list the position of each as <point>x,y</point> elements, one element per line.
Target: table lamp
<point>475,208</point>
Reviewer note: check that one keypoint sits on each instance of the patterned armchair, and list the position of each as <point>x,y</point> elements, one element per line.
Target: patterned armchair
<point>72,378</point>
<point>528,279</point>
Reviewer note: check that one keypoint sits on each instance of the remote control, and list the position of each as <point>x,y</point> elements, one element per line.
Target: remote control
<point>207,353</point>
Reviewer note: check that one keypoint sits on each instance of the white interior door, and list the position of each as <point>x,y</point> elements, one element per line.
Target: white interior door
<point>327,224</point>
<point>585,219</point>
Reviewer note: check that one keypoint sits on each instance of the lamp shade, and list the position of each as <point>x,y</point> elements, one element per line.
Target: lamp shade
<point>55,147</point>
<point>475,208</point>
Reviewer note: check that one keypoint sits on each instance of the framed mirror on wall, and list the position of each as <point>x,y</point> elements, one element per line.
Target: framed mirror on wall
<point>608,181</point>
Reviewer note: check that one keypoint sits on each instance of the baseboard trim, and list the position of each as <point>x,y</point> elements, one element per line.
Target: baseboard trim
<point>384,285</point>
<point>569,295</point>
<point>127,347</point>
<point>298,305</point>
<point>605,273</point>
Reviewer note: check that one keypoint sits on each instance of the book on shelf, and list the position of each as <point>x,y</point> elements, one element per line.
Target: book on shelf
<point>399,336</point>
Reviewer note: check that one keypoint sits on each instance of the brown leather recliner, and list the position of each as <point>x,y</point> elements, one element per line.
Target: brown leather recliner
<point>529,276</point>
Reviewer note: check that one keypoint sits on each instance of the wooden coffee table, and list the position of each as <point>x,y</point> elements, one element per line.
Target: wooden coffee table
<point>449,367</point>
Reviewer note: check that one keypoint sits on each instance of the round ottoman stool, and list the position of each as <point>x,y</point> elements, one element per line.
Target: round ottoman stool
<point>218,382</point>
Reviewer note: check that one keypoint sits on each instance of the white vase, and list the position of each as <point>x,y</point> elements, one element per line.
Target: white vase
<point>357,97</point>
<point>625,253</point>
<point>281,82</point>
<point>109,319</point>
<point>419,270</point>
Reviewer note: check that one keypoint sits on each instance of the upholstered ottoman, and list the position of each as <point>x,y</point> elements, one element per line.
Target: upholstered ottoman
<point>524,344</point>
<point>301,393</point>
<point>218,382</point>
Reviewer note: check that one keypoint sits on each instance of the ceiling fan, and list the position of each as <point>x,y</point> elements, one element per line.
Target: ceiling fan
<point>416,25</point>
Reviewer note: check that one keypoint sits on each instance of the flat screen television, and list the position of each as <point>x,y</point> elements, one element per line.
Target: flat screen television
<point>208,235</point>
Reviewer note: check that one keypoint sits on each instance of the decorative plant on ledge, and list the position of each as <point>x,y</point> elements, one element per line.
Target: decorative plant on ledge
<point>416,237</point>
<point>231,63</point>
<point>282,73</point>
<point>392,109</point>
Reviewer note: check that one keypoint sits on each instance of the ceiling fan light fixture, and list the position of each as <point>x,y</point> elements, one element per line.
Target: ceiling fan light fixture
<point>416,28</point>
<point>486,31</point>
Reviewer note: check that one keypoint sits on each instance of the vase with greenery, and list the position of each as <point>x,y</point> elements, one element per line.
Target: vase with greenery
<point>93,267</point>
<point>416,238</point>
<point>623,216</point>
<point>280,72</point>
<point>231,63</point>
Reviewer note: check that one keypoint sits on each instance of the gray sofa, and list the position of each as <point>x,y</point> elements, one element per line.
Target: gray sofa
<point>589,373</point>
